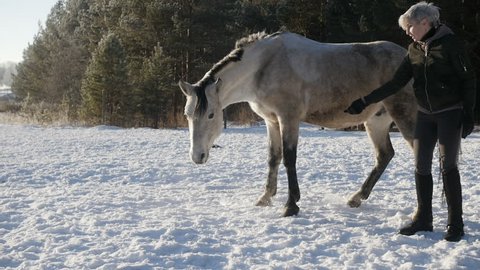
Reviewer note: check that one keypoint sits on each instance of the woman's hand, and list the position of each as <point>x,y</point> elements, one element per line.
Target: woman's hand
<point>356,107</point>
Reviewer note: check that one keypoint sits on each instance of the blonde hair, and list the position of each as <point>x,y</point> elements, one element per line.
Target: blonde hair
<point>418,12</point>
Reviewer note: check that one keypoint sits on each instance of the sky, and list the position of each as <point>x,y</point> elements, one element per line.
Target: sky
<point>19,22</point>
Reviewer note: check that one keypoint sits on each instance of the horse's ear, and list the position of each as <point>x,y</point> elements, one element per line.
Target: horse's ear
<point>186,88</point>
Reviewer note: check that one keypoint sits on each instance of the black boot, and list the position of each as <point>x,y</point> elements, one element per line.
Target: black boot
<point>453,194</point>
<point>422,221</point>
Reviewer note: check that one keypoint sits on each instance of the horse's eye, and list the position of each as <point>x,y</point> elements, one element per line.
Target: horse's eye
<point>210,116</point>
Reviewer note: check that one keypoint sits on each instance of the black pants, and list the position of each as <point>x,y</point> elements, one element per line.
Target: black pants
<point>444,127</point>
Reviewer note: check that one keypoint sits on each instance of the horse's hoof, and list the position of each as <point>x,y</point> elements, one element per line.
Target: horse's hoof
<point>291,211</point>
<point>354,203</point>
<point>264,201</point>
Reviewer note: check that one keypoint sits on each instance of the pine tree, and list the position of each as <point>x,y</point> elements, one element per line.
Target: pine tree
<point>304,17</point>
<point>158,90</point>
<point>105,88</point>
<point>29,81</point>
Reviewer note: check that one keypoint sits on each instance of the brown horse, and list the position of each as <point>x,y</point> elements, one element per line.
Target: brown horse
<point>287,79</point>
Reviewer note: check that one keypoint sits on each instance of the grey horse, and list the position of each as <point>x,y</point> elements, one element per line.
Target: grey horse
<point>286,79</point>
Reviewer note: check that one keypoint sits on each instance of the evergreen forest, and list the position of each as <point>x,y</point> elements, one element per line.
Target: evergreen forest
<point>117,62</point>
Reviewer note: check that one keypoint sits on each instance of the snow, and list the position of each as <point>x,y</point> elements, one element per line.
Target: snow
<point>110,198</point>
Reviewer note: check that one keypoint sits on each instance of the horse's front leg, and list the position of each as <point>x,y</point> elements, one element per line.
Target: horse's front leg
<point>290,140</point>
<point>289,160</point>
<point>274,158</point>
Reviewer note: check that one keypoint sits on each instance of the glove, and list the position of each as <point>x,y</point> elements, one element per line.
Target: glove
<point>356,107</point>
<point>467,124</point>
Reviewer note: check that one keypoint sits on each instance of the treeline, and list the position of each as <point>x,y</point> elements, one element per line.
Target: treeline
<point>117,62</point>
<point>7,70</point>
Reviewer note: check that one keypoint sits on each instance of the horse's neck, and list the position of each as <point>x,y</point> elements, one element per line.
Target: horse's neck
<point>236,86</point>
<point>239,79</point>
<point>234,96</point>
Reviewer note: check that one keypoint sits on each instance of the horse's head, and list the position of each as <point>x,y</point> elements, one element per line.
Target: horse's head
<point>205,117</point>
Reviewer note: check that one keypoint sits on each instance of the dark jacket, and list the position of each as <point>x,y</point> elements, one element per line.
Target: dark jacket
<point>442,74</point>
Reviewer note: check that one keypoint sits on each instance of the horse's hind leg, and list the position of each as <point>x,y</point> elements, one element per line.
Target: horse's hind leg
<point>377,127</point>
<point>274,159</point>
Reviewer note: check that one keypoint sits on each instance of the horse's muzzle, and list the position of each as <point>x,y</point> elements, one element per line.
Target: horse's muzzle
<point>199,158</point>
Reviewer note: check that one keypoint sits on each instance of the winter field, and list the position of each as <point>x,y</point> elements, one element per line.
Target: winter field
<point>110,198</point>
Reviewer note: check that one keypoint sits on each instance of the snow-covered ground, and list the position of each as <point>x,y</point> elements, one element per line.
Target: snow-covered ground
<point>109,198</point>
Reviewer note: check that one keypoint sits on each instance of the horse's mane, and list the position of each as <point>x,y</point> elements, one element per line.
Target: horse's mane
<point>243,42</point>
<point>234,56</point>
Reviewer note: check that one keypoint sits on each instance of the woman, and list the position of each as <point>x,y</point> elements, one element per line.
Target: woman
<point>444,86</point>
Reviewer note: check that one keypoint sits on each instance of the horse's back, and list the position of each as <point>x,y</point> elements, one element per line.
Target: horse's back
<point>347,56</point>
<point>338,68</point>
<point>323,78</point>
<point>296,41</point>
